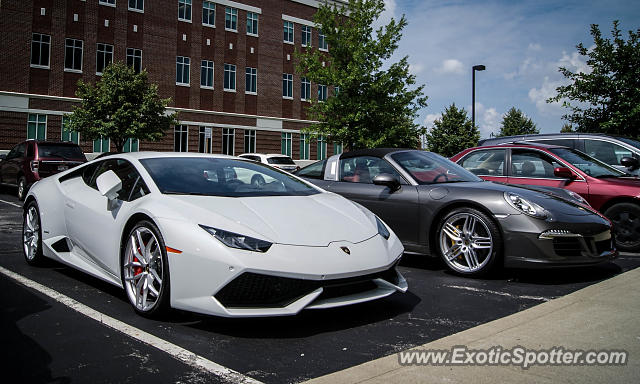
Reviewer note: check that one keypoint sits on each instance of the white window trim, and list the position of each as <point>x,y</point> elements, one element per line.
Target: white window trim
<point>73,70</point>
<point>208,25</point>
<point>225,20</point>
<point>293,34</point>
<point>323,49</point>
<point>287,97</point>
<point>38,65</point>
<point>183,84</point>
<point>135,9</point>
<point>81,57</point>
<point>187,20</point>
<point>297,20</point>
<point>46,124</point>
<point>310,37</point>
<point>174,139</point>
<point>205,87</point>
<point>100,2</point>
<point>231,30</point>
<point>244,7</point>
<point>250,93</point>
<point>252,34</point>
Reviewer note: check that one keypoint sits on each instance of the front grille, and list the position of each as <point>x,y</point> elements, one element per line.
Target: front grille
<point>567,246</point>
<point>252,290</point>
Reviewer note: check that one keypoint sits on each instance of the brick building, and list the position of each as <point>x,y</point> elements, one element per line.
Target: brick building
<point>227,66</point>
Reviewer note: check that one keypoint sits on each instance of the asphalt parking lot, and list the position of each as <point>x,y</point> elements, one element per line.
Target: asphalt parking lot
<point>46,341</point>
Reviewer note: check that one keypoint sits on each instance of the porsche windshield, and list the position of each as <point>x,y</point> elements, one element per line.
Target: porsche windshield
<point>210,176</point>
<point>429,168</point>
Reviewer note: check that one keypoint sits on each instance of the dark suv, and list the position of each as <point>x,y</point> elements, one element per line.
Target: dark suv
<point>33,160</point>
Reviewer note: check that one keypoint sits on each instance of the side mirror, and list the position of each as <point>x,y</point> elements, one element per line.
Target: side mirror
<point>565,173</point>
<point>630,162</point>
<point>109,184</point>
<point>387,180</point>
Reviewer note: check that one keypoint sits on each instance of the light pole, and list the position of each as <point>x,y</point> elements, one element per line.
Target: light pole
<point>473,91</point>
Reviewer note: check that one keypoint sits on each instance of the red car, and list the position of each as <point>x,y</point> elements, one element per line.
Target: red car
<point>607,189</point>
<point>32,160</point>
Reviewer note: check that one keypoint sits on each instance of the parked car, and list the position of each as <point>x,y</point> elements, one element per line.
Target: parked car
<point>438,208</point>
<point>276,160</point>
<point>183,231</point>
<point>33,160</point>
<point>609,190</point>
<point>617,151</point>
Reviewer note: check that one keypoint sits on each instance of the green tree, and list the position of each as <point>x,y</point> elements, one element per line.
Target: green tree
<point>377,102</point>
<point>515,122</point>
<point>566,128</point>
<point>607,98</point>
<point>452,133</point>
<point>121,105</point>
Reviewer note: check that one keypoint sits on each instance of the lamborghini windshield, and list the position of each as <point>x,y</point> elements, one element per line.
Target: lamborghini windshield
<point>211,176</point>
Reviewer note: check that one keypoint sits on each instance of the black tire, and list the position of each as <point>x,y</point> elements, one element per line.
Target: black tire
<point>32,235</point>
<point>148,232</point>
<point>477,252</point>
<point>626,225</point>
<point>22,188</point>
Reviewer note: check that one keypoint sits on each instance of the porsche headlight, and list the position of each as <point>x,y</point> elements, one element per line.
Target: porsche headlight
<point>578,198</point>
<point>525,206</point>
<point>236,240</point>
<point>382,229</point>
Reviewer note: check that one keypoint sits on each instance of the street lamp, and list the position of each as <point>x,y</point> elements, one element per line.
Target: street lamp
<point>473,91</point>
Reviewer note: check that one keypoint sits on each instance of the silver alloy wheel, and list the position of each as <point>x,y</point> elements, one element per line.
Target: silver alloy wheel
<point>143,268</point>
<point>31,233</point>
<point>466,242</point>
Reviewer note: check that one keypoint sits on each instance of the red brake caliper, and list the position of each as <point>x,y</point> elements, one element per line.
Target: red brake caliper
<point>137,270</point>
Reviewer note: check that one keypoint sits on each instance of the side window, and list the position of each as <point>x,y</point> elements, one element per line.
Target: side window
<point>485,163</point>
<point>87,173</point>
<point>12,153</point>
<point>133,186</point>
<point>313,171</point>
<point>605,151</point>
<point>363,169</point>
<point>20,150</point>
<point>30,153</point>
<point>534,164</point>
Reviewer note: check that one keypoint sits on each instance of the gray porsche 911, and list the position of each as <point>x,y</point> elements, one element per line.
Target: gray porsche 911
<point>438,208</point>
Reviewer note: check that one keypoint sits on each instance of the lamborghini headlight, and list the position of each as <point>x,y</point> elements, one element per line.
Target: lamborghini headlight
<point>382,229</point>
<point>525,206</point>
<point>236,240</point>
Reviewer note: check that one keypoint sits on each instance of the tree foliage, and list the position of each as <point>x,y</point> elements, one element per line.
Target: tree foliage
<point>566,128</point>
<point>452,133</point>
<point>121,105</point>
<point>515,122</point>
<point>377,102</point>
<point>607,98</point>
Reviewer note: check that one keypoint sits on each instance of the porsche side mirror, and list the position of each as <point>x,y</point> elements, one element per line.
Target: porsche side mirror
<point>630,162</point>
<point>109,184</point>
<point>387,180</point>
<point>565,173</point>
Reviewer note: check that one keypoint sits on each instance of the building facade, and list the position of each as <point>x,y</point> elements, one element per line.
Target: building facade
<point>227,66</point>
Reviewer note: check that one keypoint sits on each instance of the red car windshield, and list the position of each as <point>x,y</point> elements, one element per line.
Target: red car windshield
<point>587,164</point>
<point>429,168</point>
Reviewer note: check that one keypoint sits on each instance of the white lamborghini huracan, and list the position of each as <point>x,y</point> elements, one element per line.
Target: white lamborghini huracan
<point>211,234</point>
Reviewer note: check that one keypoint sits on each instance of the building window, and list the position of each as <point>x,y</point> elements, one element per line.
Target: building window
<point>322,148</point>
<point>251,80</point>
<point>252,23</point>
<point>40,50</point>
<point>104,57</point>
<point>288,32</point>
<point>306,35</point>
<point>228,141</point>
<point>304,146</point>
<point>286,144</point>
<point>134,59</point>
<point>231,19</point>
<point>101,145</point>
<point>184,10</point>
<point>206,74</point>
<point>336,90</point>
<point>287,85</point>
<point>305,89</point>
<point>107,2</point>
<point>37,127</point>
<point>73,55</point>
<point>338,148</point>
<point>136,5</point>
<point>322,41</point>
<point>180,138</point>
<point>131,145</point>
<point>322,92</point>
<point>68,135</point>
<point>229,77</point>
<point>183,65</point>
<point>249,141</point>
<point>208,13</point>
<point>206,140</point>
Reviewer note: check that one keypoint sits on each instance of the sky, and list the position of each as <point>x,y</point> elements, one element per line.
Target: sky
<point>521,43</point>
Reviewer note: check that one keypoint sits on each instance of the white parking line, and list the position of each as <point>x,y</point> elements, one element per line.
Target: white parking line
<point>177,352</point>
<point>479,290</point>
<point>10,203</point>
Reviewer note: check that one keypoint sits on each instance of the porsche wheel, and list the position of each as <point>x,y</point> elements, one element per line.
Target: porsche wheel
<point>626,225</point>
<point>469,242</point>
<point>32,235</point>
<point>145,270</point>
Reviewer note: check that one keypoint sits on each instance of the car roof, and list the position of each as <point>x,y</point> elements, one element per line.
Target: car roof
<point>561,135</point>
<point>522,144</point>
<point>265,154</point>
<point>155,155</point>
<point>373,152</point>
